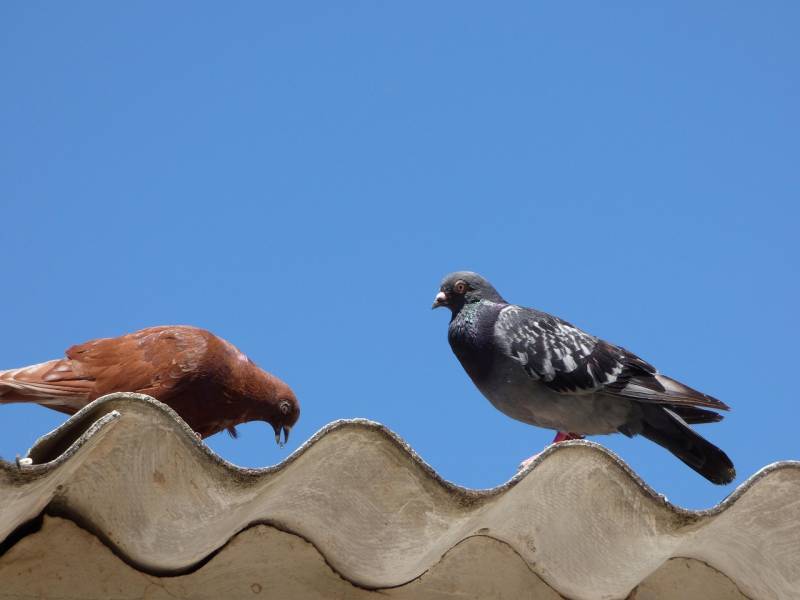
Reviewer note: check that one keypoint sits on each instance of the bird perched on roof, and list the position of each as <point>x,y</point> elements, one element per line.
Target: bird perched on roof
<point>541,370</point>
<point>206,380</point>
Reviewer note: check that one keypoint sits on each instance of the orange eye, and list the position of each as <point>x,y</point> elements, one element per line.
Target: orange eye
<point>460,287</point>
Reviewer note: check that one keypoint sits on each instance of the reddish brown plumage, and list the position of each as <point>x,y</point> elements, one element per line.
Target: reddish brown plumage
<point>206,380</point>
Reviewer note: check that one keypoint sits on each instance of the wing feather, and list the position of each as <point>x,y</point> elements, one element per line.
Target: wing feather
<point>557,353</point>
<point>154,361</point>
<point>570,361</point>
<point>54,383</point>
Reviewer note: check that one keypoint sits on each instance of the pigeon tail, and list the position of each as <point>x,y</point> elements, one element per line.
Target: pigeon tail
<point>50,383</point>
<point>694,415</point>
<point>670,431</point>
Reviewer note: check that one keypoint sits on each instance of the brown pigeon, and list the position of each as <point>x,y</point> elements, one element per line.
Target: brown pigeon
<point>206,380</point>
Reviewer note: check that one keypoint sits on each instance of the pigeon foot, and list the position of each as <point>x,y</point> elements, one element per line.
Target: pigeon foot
<point>561,436</point>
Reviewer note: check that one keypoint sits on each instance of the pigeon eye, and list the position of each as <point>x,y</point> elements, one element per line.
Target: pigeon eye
<point>284,407</point>
<point>460,287</point>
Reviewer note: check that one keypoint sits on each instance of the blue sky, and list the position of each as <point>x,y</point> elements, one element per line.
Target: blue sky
<point>298,177</point>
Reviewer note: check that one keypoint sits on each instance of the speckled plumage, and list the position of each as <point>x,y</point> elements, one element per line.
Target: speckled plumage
<point>544,371</point>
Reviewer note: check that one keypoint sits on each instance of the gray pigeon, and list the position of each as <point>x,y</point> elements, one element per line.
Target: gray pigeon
<point>541,370</point>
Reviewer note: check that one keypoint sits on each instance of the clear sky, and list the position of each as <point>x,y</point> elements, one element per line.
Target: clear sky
<point>297,177</point>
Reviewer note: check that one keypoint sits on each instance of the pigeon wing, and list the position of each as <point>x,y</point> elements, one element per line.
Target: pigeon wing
<point>570,361</point>
<point>153,361</point>
<point>556,353</point>
<point>54,383</point>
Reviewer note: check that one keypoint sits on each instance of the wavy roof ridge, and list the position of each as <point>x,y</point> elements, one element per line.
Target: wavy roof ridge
<point>380,515</point>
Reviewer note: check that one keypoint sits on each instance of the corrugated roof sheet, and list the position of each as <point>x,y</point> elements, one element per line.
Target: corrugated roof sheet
<point>135,505</point>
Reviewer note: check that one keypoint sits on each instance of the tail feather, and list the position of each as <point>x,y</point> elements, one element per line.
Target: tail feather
<point>660,389</point>
<point>681,391</point>
<point>664,427</point>
<point>694,415</point>
<point>51,383</point>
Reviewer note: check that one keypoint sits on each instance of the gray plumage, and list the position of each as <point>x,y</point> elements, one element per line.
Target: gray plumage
<point>541,370</point>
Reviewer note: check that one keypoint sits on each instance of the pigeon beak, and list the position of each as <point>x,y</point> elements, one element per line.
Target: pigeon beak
<point>440,300</point>
<point>285,429</point>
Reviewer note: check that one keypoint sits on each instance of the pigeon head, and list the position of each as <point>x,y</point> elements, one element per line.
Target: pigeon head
<point>464,287</point>
<point>268,399</point>
<point>283,413</point>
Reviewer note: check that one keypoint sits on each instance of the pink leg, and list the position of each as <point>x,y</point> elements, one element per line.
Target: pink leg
<point>561,436</point>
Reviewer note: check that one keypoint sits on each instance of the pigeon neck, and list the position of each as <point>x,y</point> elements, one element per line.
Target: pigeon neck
<point>250,381</point>
<point>469,312</point>
<point>471,337</point>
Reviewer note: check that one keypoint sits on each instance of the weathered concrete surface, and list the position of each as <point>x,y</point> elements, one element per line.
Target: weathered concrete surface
<point>356,510</point>
<point>64,561</point>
